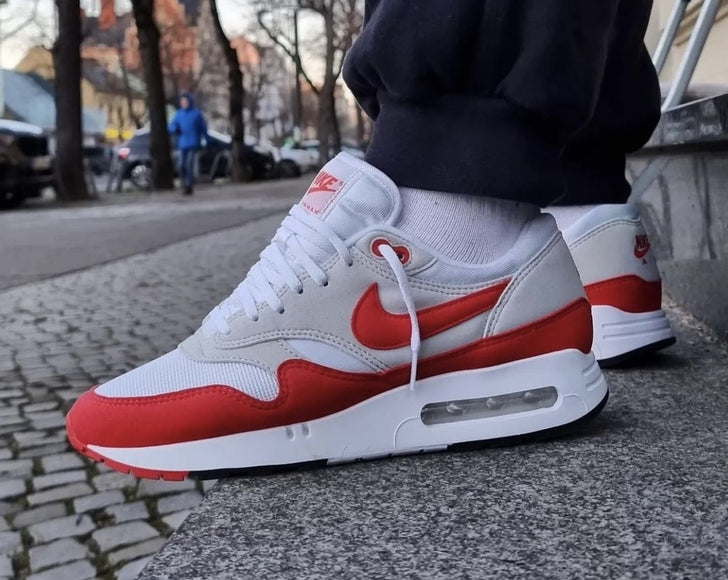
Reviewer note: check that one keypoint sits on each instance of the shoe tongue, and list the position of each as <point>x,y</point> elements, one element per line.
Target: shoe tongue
<point>351,195</point>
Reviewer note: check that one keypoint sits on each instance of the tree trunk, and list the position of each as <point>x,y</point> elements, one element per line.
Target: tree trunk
<point>162,167</point>
<point>69,123</point>
<point>240,170</point>
<point>327,97</point>
<point>127,90</point>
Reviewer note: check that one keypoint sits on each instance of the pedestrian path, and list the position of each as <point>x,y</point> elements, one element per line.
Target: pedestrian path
<point>62,517</point>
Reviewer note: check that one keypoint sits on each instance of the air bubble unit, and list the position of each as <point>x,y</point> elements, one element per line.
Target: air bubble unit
<point>489,407</point>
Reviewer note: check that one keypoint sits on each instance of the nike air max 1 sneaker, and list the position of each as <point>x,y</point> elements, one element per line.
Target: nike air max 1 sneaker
<point>351,340</point>
<point>617,266</point>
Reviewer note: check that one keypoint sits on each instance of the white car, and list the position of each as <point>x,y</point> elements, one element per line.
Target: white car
<point>297,159</point>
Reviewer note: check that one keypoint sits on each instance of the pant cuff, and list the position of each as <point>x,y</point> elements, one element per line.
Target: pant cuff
<point>484,147</point>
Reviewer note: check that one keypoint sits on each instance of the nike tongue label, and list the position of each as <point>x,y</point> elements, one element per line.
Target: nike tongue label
<point>322,192</point>
<point>328,186</point>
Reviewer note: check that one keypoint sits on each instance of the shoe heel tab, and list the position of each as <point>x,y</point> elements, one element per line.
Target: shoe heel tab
<point>599,216</point>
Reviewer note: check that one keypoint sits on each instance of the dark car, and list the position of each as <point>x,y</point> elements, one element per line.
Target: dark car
<point>214,160</point>
<point>26,166</point>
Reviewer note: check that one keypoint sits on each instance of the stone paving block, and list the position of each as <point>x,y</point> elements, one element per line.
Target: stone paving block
<point>113,480</point>
<point>150,487</point>
<point>10,542</point>
<point>132,569</point>
<point>12,420</point>
<point>40,514</point>
<point>5,454</point>
<point>59,493</point>
<point>61,462</point>
<point>175,520</point>
<point>43,450</point>
<point>136,551</point>
<point>27,439</point>
<point>81,570</point>
<point>47,420</point>
<point>175,503</point>
<point>9,507</point>
<point>4,525</point>
<point>69,395</point>
<point>123,534</point>
<point>39,407</point>
<point>6,566</point>
<point>10,393</point>
<point>55,479</point>
<point>67,527</point>
<point>16,467</point>
<point>127,512</point>
<point>97,501</point>
<point>12,488</point>
<point>58,552</point>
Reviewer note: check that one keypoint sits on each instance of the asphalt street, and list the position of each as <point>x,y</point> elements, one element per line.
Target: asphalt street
<point>39,242</point>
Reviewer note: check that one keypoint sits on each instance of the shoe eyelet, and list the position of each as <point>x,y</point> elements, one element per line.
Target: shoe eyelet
<point>282,311</point>
<point>325,284</point>
<point>299,292</point>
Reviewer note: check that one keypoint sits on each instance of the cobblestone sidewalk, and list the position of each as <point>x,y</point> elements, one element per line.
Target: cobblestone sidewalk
<point>61,516</point>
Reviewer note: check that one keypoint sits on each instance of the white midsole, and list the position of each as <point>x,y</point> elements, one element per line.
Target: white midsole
<point>390,423</point>
<point>617,332</point>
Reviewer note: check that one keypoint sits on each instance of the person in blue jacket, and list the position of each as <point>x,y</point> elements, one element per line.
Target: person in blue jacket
<point>190,128</point>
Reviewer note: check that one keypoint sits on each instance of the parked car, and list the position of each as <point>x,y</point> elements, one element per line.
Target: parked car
<point>214,162</point>
<point>295,159</point>
<point>312,147</point>
<point>26,166</point>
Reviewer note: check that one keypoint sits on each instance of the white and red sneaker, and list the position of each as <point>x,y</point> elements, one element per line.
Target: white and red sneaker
<point>612,252</point>
<point>351,340</point>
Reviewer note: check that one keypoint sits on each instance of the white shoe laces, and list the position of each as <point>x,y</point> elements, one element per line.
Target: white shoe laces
<point>283,261</point>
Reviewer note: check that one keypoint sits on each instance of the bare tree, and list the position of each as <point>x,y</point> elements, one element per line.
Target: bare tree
<point>128,91</point>
<point>69,123</point>
<point>236,98</point>
<point>342,20</point>
<point>162,168</point>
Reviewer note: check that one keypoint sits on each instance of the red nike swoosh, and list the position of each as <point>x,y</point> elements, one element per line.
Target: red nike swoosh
<point>376,328</point>
<point>641,252</point>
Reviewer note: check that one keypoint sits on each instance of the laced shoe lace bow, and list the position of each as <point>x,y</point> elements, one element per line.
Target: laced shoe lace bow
<point>296,249</point>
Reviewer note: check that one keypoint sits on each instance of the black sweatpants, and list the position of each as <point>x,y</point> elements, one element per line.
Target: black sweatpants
<point>528,100</point>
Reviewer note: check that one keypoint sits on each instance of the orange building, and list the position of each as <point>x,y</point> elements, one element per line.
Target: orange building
<point>112,39</point>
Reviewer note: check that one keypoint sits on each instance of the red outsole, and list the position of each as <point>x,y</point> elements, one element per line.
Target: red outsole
<point>127,469</point>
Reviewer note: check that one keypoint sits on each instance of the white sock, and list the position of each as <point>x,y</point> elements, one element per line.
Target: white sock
<point>567,215</point>
<point>465,228</point>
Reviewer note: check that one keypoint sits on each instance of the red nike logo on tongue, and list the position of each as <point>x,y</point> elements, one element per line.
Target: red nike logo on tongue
<point>376,328</point>
<point>322,192</point>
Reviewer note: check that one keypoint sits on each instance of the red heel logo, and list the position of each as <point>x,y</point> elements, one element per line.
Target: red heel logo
<point>641,246</point>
